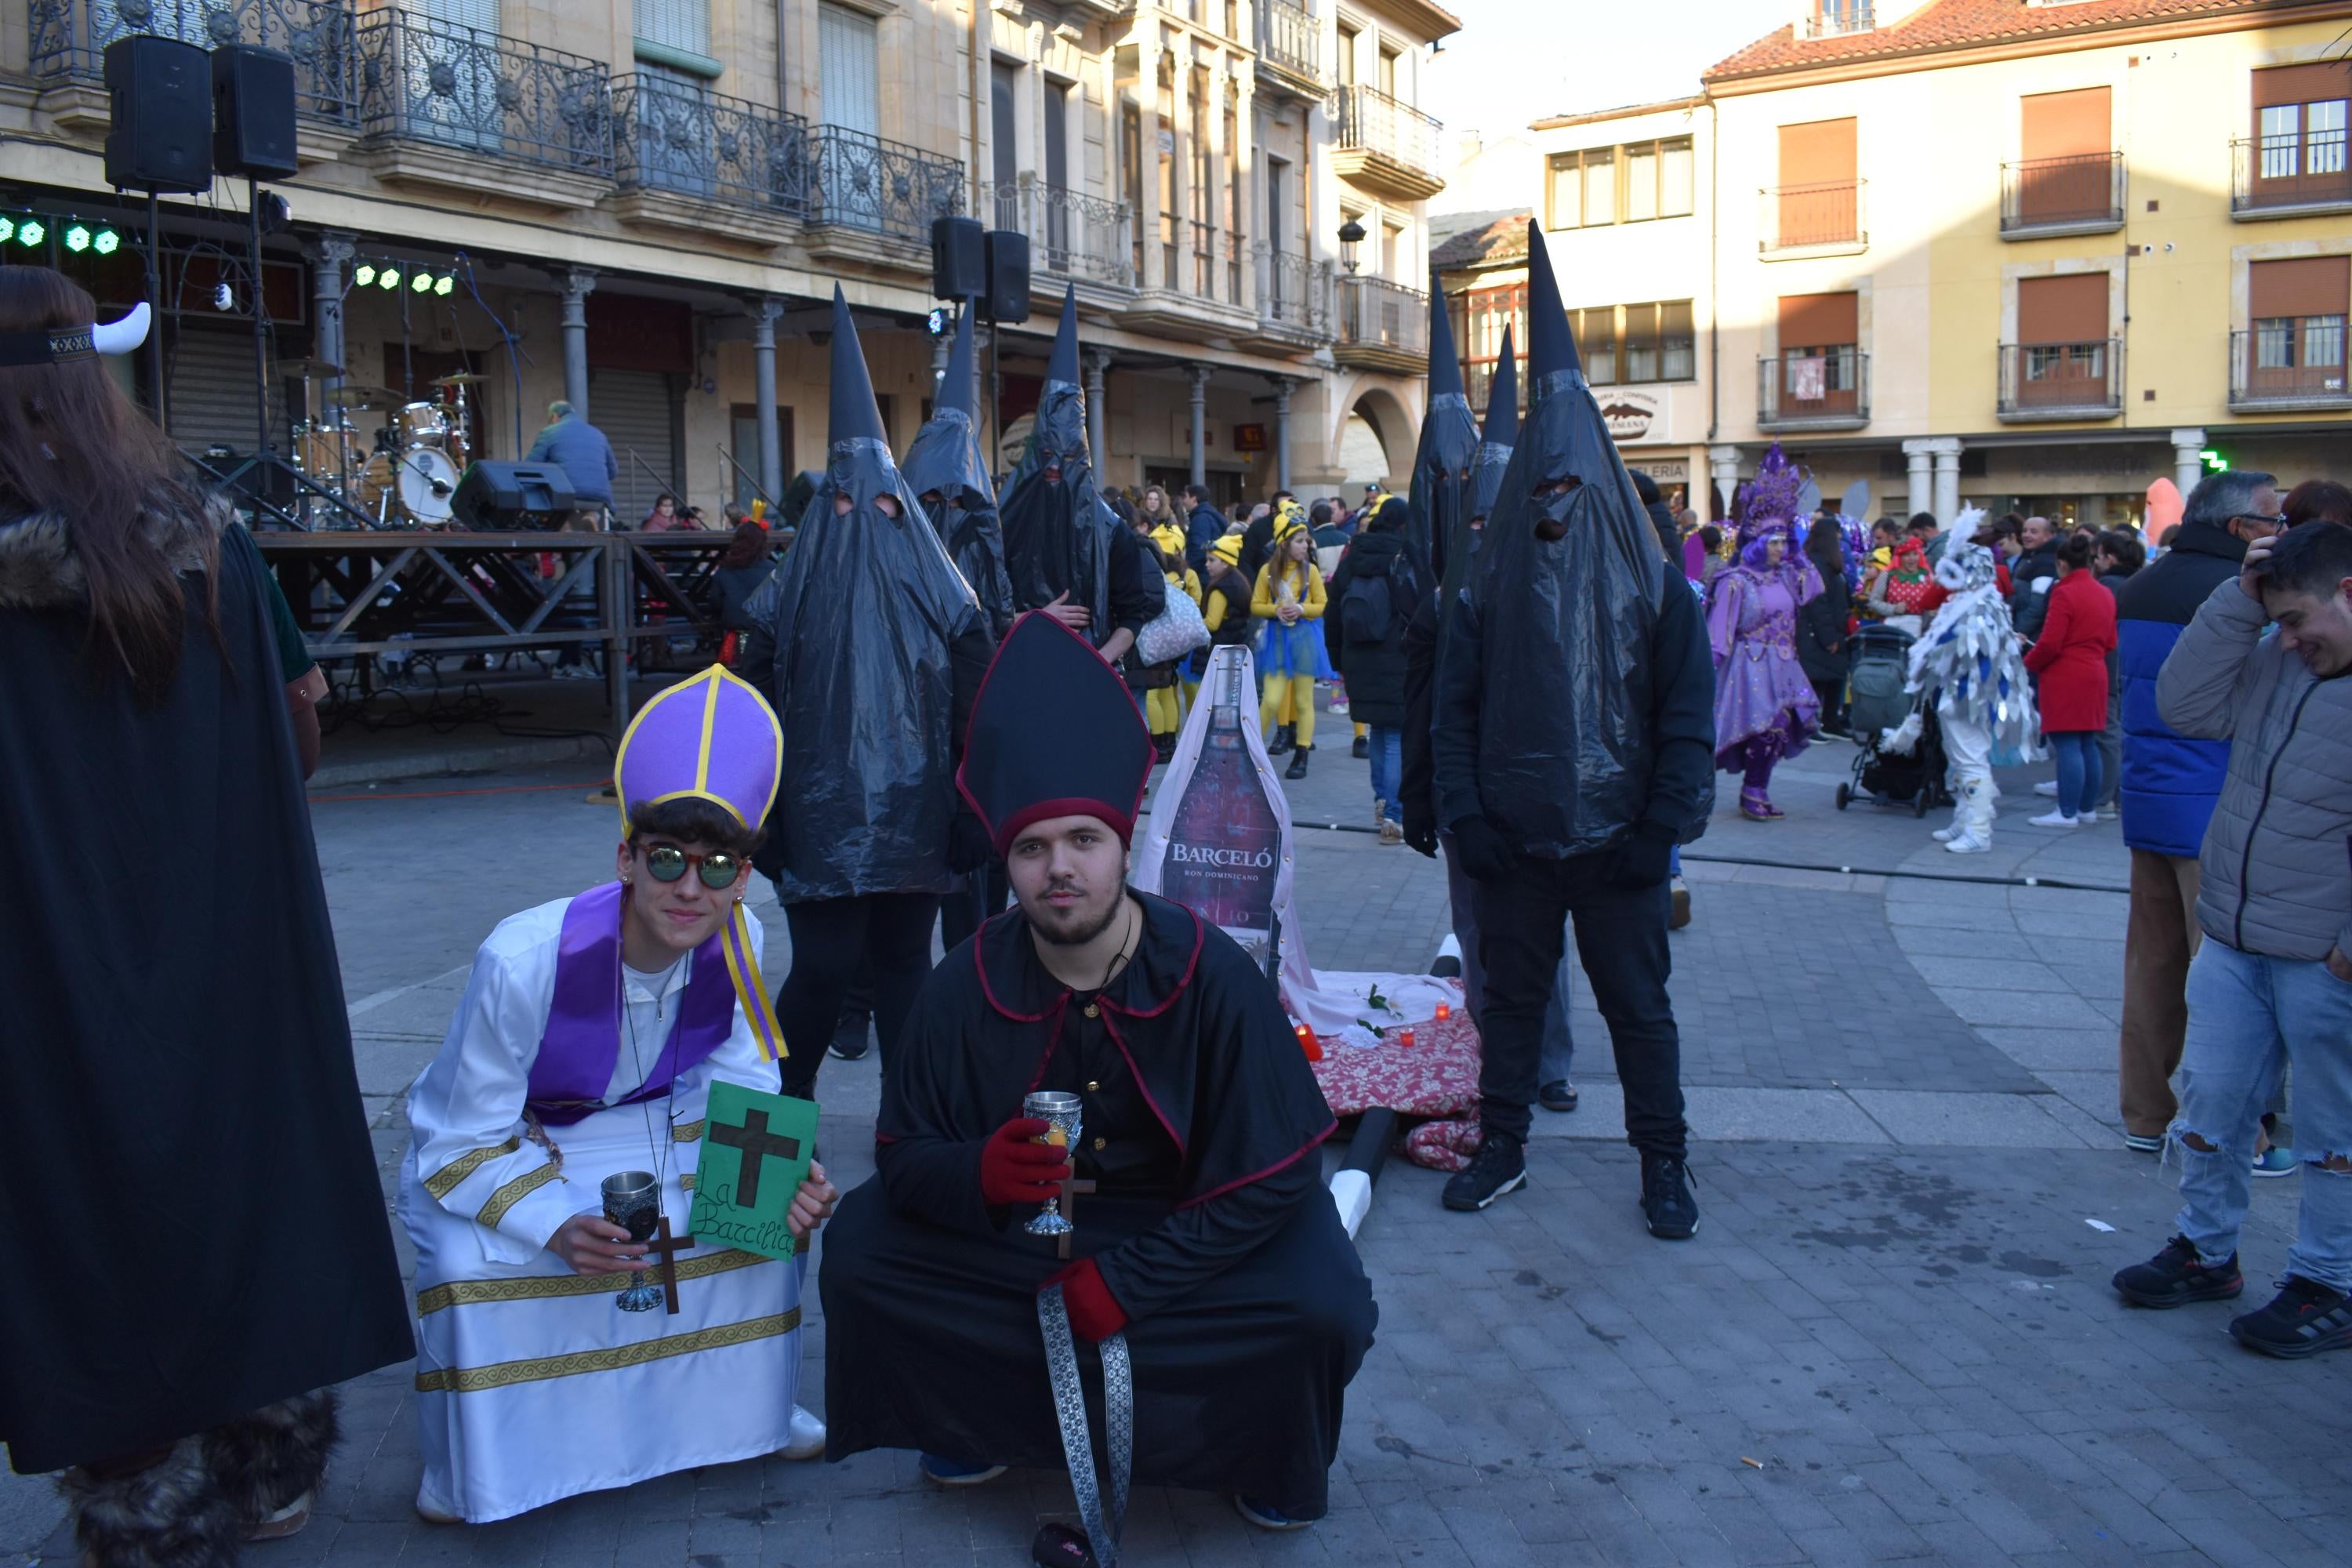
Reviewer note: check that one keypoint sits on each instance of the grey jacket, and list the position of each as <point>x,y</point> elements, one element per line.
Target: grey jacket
<point>2275,877</point>
<point>580,449</point>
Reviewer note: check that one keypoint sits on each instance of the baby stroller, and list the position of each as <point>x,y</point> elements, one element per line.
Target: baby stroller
<point>1877,702</point>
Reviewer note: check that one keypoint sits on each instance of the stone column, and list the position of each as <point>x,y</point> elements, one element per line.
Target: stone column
<point>764,311</point>
<point>577,283</point>
<point>1199,375</point>
<point>1147,163</point>
<point>1096,362</point>
<point>1723,472</point>
<point>1251,199</point>
<point>329,255</point>
<point>1921,496</point>
<point>1282,387</point>
<point>1948,480</point>
<point>2188,461</point>
<point>1188,137</point>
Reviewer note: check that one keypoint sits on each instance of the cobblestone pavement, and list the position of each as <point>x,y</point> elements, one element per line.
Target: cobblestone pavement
<point>1893,1340</point>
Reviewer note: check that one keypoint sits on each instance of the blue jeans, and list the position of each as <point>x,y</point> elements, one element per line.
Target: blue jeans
<point>1387,765</point>
<point>2248,1017</point>
<point>2077,751</point>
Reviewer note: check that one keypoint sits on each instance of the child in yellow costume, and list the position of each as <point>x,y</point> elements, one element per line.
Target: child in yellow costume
<point>1289,600</point>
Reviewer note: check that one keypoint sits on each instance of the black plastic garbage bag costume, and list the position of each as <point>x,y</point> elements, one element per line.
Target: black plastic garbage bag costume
<point>1573,697</point>
<point>946,460</point>
<point>1437,536</point>
<point>1057,531</point>
<point>858,635</point>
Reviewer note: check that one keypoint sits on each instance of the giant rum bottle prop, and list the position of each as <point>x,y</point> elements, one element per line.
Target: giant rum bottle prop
<point>1226,850</point>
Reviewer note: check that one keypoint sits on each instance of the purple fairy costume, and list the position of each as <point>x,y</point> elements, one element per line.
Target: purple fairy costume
<point>1765,709</point>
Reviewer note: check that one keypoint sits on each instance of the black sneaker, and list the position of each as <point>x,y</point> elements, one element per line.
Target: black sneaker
<point>2177,1276</point>
<point>1666,1201</point>
<point>1560,1095</point>
<point>1361,749</point>
<point>1282,740</point>
<point>1499,1166</point>
<point>2304,1318</point>
<point>852,1039</point>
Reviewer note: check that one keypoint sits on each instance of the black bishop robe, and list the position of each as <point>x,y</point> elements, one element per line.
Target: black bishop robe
<point>1248,1310</point>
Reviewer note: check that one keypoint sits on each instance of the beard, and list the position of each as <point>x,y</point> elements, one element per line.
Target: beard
<point>1074,927</point>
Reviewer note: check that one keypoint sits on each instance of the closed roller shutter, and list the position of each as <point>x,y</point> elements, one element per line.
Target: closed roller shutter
<point>636,409</point>
<point>1818,320</point>
<point>2064,124</point>
<point>211,377</point>
<point>2069,309</point>
<point>2305,286</point>
<point>848,90</point>
<point>2314,83</point>
<point>1817,201</point>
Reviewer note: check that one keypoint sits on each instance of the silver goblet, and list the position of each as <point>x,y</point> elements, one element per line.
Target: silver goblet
<point>1062,1112</point>
<point>632,1202</point>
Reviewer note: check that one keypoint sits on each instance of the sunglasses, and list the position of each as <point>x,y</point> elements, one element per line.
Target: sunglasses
<point>719,870</point>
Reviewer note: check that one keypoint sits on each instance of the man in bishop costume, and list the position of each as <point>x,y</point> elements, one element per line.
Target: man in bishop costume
<point>589,1036</point>
<point>1208,1242</point>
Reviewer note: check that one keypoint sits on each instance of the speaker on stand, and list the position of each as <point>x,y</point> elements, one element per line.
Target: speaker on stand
<point>158,139</point>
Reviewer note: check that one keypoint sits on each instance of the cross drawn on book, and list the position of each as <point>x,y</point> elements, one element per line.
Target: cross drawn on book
<point>668,1246</point>
<point>757,1144</point>
<point>1070,1191</point>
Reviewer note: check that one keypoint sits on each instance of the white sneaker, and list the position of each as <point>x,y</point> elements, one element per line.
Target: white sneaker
<point>1966,844</point>
<point>433,1511</point>
<point>2086,819</point>
<point>1944,835</point>
<point>2048,787</point>
<point>807,1438</point>
<point>2055,819</point>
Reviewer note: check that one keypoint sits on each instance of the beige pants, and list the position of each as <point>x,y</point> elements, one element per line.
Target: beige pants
<point>2160,938</point>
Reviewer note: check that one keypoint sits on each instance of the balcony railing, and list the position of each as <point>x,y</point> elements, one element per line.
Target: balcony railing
<point>671,136</point>
<point>425,79</point>
<point>1293,294</point>
<point>2076,194</point>
<point>1375,313</point>
<point>1071,235</point>
<point>1290,39</point>
<point>1834,18</point>
<point>883,187</point>
<point>1799,217</point>
<point>69,39</point>
<point>1821,391</point>
<point>2295,363</point>
<point>1370,120</point>
<point>2062,381</point>
<point>2285,174</point>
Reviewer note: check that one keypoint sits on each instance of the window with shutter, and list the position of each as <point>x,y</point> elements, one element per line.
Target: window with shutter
<point>1003,86</point>
<point>849,93</point>
<point>675,24</point>
<point>2299,152</point>
<point>1818,194</point>
<point>2061,354</point>
<point>2066,162</point>
<point>1821,359</point>
<point>2298,308</point>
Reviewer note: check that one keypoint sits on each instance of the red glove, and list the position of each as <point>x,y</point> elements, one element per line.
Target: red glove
<point>1012,1169</point>
<point>1095,1312</point>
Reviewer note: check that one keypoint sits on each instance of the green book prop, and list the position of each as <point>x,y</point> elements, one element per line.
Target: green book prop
<point>755,1153</point>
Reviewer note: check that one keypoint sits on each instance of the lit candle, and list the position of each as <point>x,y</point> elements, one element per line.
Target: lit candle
<point>1405,1038</point>
<point>1309,1044</point>
<point>1444,1011</point>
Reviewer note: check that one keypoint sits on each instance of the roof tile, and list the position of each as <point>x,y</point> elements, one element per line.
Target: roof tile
<point>1957,24</point>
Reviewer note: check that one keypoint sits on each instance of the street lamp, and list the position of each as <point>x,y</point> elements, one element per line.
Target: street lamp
<point>1351,234</point>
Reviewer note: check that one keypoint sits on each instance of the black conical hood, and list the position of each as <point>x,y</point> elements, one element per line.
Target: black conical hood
<point>853,414</point>
<point>1502,426</point>
<point>1064,365</point>
<point>1445,368</point>
<point>1551,348</point>
<point>958,390</point>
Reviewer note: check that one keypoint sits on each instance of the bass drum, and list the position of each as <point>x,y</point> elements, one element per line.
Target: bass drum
<point>429,482</point>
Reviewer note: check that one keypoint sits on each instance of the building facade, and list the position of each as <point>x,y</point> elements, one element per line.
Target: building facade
<point>2030,255</point>
<point>643,206</point>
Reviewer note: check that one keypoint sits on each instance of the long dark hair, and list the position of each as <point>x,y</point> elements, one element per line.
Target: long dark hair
<point>750,542</point>
<point>72,445</point>
<point>1824,548</point>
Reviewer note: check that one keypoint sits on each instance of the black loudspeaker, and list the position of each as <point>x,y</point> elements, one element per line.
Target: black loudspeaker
<point>958,258</point>
<point>498,496</point>
<point>161,135</point>
<point>1007,299</point>
<point>253,110</point>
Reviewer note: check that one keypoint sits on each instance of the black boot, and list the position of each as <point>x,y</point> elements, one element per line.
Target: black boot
<point>1362,748</point>
<point>1165,745</point>
<point>1297,769</point>
<point>1282,740</point>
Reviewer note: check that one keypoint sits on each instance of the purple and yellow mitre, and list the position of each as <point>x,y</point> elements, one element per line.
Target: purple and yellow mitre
<point>713,737</point>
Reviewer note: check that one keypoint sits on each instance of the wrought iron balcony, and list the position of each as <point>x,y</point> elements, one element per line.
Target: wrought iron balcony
<point>2062,381</point>
<point>888,188</point>
<point>1385,146</point>
<point>1382,324</point>
<point>2290,175</point>
<point>2083,194</point>
<point>671,136</point>
<point>1294,298</point>
<point>1071,235</point>
<point>1826,216</point>
<point>425,79</point>
<point>69,39</point>
<point>1290,46</point>
<point>2294,363</point>
<point>1829,390</point>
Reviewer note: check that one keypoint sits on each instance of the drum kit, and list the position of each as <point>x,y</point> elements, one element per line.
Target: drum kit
<point>404,473</point>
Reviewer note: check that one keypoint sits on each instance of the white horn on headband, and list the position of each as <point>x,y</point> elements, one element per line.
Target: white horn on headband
<point>121,337</point>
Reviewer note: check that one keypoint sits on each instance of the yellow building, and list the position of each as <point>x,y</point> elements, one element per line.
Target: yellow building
<point>643,206</point>
<point>2019,253</point>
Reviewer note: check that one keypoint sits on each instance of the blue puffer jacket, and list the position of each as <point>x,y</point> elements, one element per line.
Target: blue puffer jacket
<point>2170,782</point>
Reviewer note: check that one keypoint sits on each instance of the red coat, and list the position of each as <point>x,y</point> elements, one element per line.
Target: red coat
<point>2070,656</point>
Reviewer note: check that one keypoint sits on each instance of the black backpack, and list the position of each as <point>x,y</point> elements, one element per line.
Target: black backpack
<point>1368,610</point>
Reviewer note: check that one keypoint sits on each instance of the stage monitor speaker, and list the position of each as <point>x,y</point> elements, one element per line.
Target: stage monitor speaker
<point>494,497</point>
<point>958,258</point>
<point>160,93</point>
<point>1007,299</point>
<point>253,110</point>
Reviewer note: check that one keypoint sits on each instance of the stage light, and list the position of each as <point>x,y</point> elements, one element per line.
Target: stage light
<point>106,243</point>
<point>362,275</point>
<point>387,278</point>
<point>422,282</point>
<point>77,240</point>
<point>445,285</point>
<point>8,229</point>
<point>30,233</point>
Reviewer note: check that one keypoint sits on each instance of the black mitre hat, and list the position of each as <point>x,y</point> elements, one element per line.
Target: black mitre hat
<point>1054,734</point>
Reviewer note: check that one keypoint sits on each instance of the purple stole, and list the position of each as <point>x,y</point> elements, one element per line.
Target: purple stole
<point>583,1042</point>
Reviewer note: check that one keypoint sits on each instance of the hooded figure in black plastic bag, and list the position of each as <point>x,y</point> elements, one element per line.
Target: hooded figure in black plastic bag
<point>1437,535</point>
<point>1573,728</point>
<point>870,647</point>
<point>945,470</point>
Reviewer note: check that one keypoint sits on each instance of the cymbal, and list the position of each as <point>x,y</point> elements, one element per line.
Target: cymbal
<point>356,397</point>
<point>307,367</point>
<point>462,378</point>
